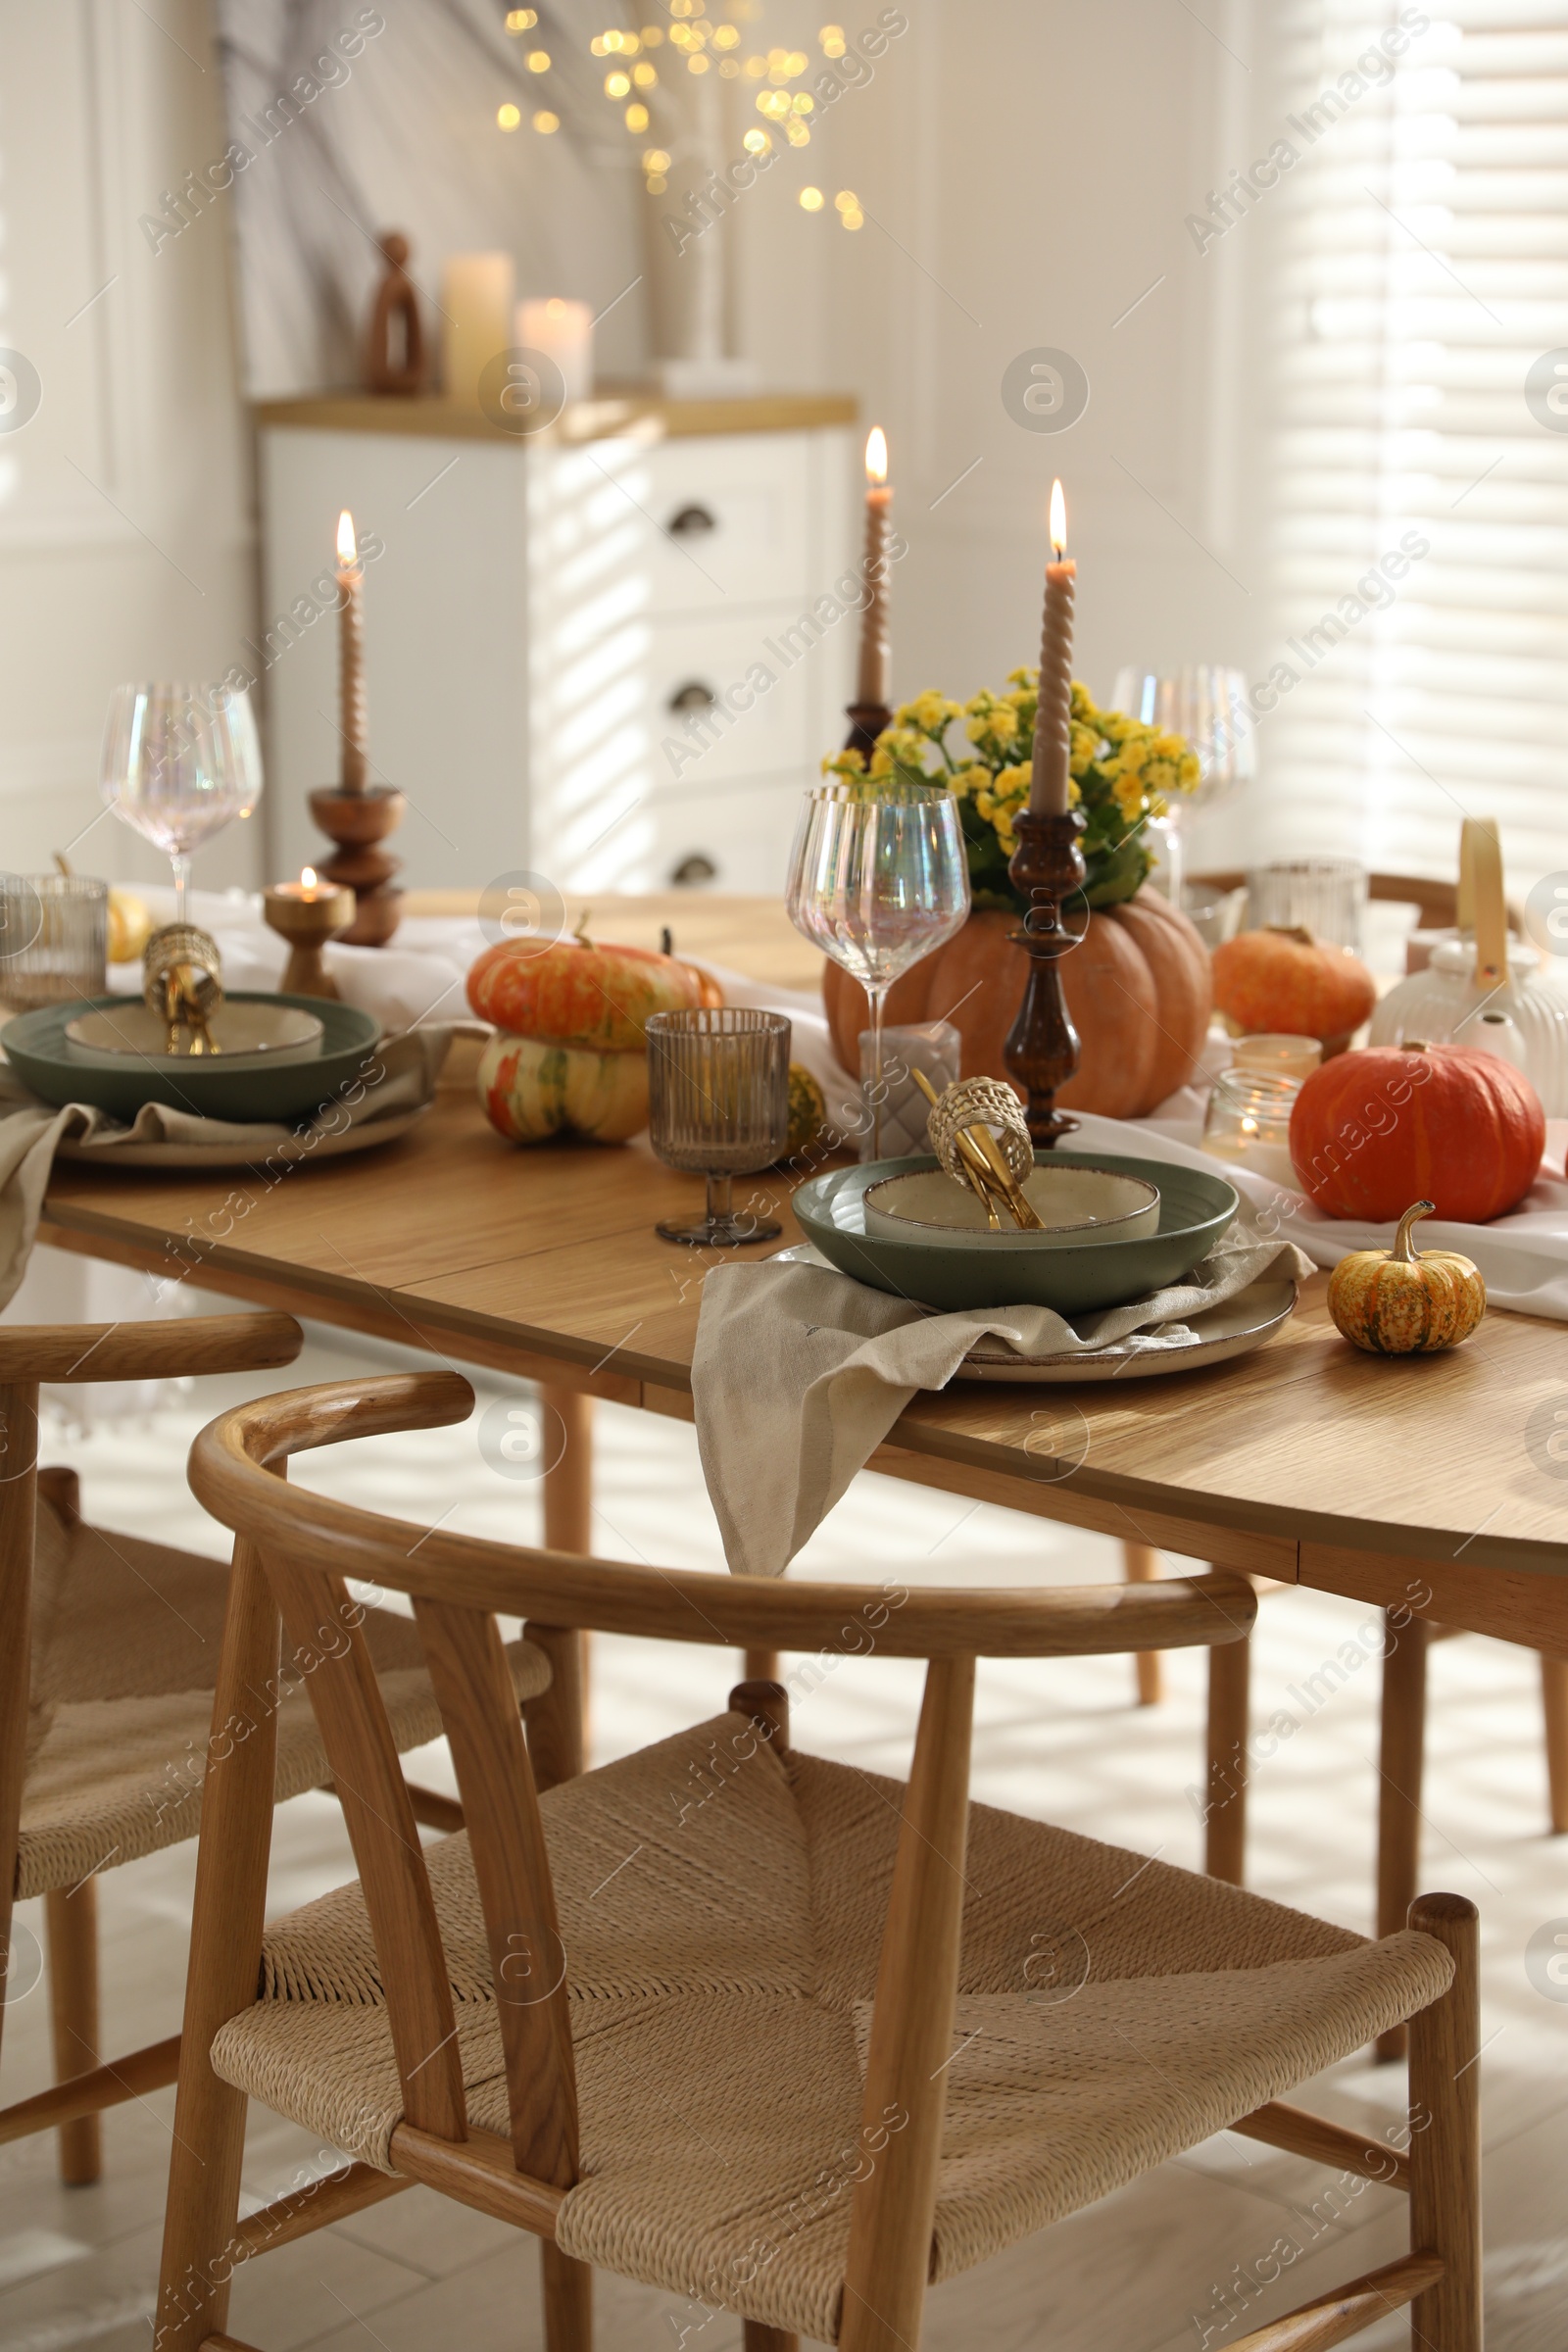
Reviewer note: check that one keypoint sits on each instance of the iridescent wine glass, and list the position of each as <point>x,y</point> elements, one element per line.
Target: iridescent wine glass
<point>878,878</point>
<point>180,763</point>
<point>1207,705</point>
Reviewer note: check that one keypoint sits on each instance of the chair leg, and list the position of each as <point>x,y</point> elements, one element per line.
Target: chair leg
<point>569,2296</point>
<point>1225,1821</point>
<point>227,1910</point>
<point>1141,1566</point>
<point>1401,1751</point>
<point>71,1926</point>
<point>1554,1707</point>
<point>1446,2133</point>
<point>755,2337</point>
<point>561,1715</point>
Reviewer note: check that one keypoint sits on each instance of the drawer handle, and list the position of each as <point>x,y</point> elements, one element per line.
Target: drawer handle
<point>693,696</point>
<point>690,522</point>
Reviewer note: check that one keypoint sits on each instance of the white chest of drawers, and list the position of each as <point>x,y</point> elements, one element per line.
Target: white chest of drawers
<point>607,658</point>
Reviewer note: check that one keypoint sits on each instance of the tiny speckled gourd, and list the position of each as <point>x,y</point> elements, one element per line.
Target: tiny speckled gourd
<point>1399,1303</point>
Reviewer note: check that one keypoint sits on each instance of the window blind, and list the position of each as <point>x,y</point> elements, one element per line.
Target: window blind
<point>1416,273</point>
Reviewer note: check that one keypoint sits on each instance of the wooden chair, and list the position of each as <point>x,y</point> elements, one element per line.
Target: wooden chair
<point>760,2030</point>
<point>109,1649</point>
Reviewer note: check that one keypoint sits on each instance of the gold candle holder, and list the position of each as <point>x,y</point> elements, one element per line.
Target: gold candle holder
<point>309,915</point>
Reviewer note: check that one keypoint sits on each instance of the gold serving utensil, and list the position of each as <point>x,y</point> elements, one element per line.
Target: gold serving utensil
<point>1023,1208</point>
<point>974,1166</point>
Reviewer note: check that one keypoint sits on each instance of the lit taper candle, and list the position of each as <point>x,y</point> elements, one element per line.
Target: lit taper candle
<point>1052,745</point>
<point>876,681</point>
<point>351,655</point>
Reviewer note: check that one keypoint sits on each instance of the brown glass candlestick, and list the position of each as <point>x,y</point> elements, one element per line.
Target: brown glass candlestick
<point>357,821</point>
<point>1041,1050</point>
<point>867,722</point>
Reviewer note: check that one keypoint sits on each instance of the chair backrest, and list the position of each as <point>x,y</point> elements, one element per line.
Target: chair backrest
<point>309,1544</point>
<point>66,1353</point>
<point>1438,901</point>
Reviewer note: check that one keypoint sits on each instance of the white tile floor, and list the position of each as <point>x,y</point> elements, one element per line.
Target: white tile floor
<point>1146,2270</point>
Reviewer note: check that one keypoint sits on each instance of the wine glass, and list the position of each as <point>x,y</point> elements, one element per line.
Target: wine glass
<point>1207,705</point>
<point>178,763</point>
<point>878,878</point>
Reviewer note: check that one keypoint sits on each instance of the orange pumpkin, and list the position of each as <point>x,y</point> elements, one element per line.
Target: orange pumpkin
<point>1372,1131</point>
<point>1283,979</point>
<point>1137,987</point>
<point>578,992</point>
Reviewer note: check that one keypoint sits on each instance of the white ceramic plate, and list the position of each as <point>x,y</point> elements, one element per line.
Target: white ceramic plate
<point>1077,1204</point>
<point>284,1032</point>
<point>237,1155</point>
<point>1236,1328</point>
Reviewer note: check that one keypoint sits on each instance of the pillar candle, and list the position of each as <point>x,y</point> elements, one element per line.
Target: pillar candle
<point>874,685</point>
<point>351,656</point>
<point>564,332</point>
<point>1052,745</point>
<point>478,292</point>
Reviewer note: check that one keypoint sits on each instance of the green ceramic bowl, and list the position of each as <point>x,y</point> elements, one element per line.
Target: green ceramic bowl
<point>1195,1210</point>
<point>45,1059</point>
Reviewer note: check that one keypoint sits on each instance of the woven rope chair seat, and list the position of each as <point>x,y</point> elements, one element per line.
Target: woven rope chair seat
<point>124,1657</point>
<point>721,1913</point>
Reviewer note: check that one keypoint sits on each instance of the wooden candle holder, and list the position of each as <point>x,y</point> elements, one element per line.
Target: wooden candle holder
<point>357,821</point>
<point>867,722</point>
<point>1041,1048</point>
<point>309,925</point>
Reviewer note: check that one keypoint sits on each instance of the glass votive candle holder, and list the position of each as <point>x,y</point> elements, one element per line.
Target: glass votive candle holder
<point>54,939</point>
<point>718,1103</point>
<point>1248,1122</point>
<point>936,1049</point>
<point>1274,1053</point>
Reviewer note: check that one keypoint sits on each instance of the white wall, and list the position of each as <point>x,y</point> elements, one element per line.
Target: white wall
<point>1025,165</point>
<point>125,541</point>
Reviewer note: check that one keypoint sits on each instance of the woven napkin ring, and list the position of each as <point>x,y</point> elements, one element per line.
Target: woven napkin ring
<point>968,1103</point>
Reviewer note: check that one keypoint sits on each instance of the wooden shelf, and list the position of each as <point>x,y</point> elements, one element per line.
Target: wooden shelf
<point>627,411</point>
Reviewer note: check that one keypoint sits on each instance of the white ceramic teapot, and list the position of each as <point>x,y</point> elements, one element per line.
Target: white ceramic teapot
<point>1483,989</point>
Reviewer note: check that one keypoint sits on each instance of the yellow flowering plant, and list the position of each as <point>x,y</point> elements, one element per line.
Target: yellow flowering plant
<point>1122,773</point>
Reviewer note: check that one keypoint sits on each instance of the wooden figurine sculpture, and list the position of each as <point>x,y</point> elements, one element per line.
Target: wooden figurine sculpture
<point>395,357</point>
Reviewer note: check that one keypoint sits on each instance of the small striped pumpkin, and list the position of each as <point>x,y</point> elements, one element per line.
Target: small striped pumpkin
<point>1399,1302</point>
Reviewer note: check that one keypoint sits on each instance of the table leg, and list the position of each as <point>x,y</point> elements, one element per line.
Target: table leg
<point>1554,1707</point>
<point>1141,1566</point>
<point>558,1725</point>
<point>1399,1760</point>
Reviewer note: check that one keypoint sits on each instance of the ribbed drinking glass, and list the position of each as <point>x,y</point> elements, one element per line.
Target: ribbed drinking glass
<point>718,1103</point>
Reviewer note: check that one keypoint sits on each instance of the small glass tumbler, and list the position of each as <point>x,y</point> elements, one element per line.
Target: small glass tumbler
<point>718,1103</point>
<point>1325,895</point>
<point>54,939</point>
<point>1275,1053</point>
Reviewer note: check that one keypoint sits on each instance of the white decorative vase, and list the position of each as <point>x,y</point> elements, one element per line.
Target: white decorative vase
<point>1484,990</point>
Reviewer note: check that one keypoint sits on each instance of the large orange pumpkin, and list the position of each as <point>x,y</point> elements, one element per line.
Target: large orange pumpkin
<point>1372,1131</point>
<point>578,992</point>
<point>1282,979</point>
<point>1137,987</point>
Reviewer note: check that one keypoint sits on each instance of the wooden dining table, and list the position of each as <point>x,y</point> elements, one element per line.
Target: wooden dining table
<point>1438,1484</point>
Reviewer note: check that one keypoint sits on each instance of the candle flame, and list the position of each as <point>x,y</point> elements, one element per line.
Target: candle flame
<point>1058,520</point>
<point>876,455</point>
<point>347,546</point>
<point>307,877</point>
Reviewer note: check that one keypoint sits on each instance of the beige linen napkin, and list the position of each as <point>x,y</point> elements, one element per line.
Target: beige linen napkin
<point>800,1373</point>
<point>31,1131</point>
